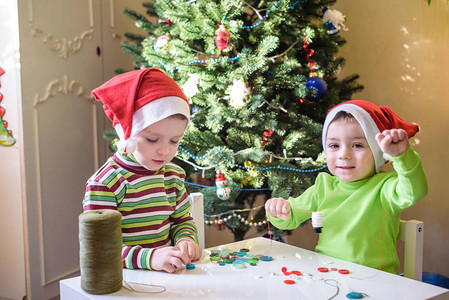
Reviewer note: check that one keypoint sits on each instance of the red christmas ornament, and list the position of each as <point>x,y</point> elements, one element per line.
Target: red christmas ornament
<point>266,136</point>
<point>221,37</point>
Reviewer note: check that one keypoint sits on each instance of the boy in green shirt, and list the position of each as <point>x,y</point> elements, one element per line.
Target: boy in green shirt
<point>360,206</point>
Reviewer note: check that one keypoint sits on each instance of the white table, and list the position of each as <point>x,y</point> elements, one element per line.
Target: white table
<point>265,280</point>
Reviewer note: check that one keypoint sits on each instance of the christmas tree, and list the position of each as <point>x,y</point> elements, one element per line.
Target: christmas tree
<point>261,76</point>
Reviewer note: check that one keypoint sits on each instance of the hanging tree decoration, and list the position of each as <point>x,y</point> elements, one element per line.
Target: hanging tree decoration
<point>162,44</point>
<point>6,138</point>
<point>238,94</point>
<point>315,84</point>
<point>223,191</point>
<point>167,22</point>
<point>266,136</point>
<point>221,37</point>
<point>334,20</point>
<point>190,88</point>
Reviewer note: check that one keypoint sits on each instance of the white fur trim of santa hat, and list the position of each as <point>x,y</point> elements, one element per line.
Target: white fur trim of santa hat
<point>155,111</point>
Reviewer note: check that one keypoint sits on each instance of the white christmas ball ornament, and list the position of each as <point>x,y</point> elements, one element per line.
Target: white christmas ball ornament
<point>224,193</point>
<point>238,93</point>
<point>190,88</point>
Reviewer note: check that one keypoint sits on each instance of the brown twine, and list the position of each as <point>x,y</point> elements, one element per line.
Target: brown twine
<point>100,238</point>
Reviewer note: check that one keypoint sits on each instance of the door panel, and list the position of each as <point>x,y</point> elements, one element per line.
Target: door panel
<point>59,67</point>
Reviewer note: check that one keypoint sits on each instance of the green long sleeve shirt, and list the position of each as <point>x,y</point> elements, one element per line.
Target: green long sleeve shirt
<point>357,215</point>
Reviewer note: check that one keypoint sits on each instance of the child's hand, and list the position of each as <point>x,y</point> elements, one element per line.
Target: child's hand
<point>393,142</point>
<point>278,207</point>
<point>190,248</point>
<point>169,259</point>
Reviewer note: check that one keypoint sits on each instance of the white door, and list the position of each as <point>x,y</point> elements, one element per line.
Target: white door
<point>59,67</point>
<point>67,49</point>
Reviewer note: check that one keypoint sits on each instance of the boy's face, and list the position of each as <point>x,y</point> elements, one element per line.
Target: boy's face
<point>348,154</point>
<point>157,144</point>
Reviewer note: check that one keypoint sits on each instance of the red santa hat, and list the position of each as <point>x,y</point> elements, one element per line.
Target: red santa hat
<point>137,99</point>
<point>373,119</point>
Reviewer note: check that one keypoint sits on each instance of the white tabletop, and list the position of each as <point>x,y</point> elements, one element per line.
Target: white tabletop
<point>265,280</point>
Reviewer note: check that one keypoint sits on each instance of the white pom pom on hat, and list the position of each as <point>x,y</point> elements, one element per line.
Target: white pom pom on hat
<point>373,119</point>
<point>137,99</point>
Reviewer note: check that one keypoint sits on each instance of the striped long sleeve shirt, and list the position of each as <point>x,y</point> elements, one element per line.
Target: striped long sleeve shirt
<point>154,206</point>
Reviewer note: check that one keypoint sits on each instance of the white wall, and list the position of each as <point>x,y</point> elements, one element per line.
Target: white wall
<point>400,50</point>
<point>12,261</point>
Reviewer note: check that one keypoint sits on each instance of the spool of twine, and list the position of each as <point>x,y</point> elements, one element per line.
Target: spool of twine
<point>100,238</point>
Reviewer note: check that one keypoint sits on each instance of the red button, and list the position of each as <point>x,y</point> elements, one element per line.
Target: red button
<point>343,271</point>
<point>296,273</point>
<point>284,269</point>
<point>289,281</point>
<point>323,270</point>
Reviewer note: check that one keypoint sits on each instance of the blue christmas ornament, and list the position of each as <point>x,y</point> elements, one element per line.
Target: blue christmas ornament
<point>316,88</point>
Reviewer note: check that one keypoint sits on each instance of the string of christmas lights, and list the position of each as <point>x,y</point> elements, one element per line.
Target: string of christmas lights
<point>249,169</point>
<point>218,218</point>
<point>263,18</point>
<point>214,187</point>
<point>201,61</point>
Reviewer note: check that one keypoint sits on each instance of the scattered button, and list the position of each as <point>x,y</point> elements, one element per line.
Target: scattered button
<point>288,281</point>
<point>244,250</point>
<point>266,258</point>
<point>226,251</point>
<point>334,269</point>
<point>240,254</point>
<point>190,267</point>
<point>221,264</point>
<point>343,271</point>
<point>323,270</point>
<point>239,266</point>
<point>354,295</point>
<point>252,261</point>
<point>297,273</point>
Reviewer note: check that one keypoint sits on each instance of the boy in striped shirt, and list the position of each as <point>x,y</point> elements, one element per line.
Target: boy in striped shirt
<point>150,114</point>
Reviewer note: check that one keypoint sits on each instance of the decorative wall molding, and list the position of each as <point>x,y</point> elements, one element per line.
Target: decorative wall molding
<point>62,45</point>
<point>61,86</point>
<point>115,35</point>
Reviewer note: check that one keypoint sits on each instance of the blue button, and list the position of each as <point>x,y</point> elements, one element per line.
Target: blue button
<point>354,295</point>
